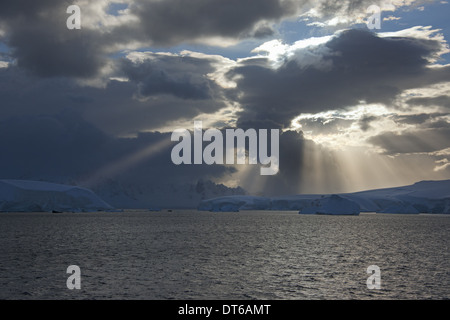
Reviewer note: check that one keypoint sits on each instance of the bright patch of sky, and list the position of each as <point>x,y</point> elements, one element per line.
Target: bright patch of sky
<point>115,8</point>
<point>435,15</point>
<point>349,134</point>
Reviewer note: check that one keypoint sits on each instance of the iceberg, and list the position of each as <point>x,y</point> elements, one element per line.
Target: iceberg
<point>234,204</point>
<point>38,196</point>
<point>332,205</point>
<point>400,209</point>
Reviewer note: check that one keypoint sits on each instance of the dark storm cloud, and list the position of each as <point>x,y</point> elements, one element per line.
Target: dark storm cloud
<point>41,43</point>
<point>24,94</point>
<point>41,51</point>
<point>413,141</point>
<point>182,76</point>
<point>175,21</point>
<point>439,124</point>
<point>11,9</point>
<point>364,67</point>
<point>112,109</point>
<point>43,146</point>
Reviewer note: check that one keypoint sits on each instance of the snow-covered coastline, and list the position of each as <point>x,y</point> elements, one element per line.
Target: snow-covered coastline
<point>38,196</point>
<point>421,197</point>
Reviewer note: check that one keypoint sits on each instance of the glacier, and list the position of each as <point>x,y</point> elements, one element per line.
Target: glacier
<point>332,205</point>
<point>234,203</point>
<point>38,196</point>
<point>421,197</point>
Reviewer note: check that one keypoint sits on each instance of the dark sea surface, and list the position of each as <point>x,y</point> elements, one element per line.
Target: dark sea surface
<point>202,255</point>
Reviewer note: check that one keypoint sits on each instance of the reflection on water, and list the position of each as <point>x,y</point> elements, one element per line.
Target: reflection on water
<point>202,255</point>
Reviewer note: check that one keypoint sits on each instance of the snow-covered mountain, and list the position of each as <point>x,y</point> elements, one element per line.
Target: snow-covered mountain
<point>161,195</point>
<point>421,197</point>
<point>38,196</point>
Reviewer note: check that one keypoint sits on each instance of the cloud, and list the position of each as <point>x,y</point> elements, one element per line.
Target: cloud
<point>171,22</point>
<point>417,141</point>
<point>324,125</point>
<point>347,12</point>
<point>362,67</point>
<point>182,76</point>
<point>417,119</point>
<point>42,44</point>
<point>365,121</point>
<point>391,18</point>
<point>49,146</point>
<point>442,101</point>
<point>122,107</point>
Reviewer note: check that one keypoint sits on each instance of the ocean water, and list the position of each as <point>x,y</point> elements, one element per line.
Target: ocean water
<point>202,255</point>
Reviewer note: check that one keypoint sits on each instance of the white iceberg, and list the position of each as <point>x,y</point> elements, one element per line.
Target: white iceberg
<point>293,203</point>
<point>234,204</point>
<point>400,209</point>
<point>37,196</point>
<point>332,205</point>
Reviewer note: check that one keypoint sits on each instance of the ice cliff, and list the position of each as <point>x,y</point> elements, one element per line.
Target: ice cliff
<point>37,196</point>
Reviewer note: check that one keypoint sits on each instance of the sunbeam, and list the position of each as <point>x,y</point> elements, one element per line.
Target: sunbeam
<point>125,163</point>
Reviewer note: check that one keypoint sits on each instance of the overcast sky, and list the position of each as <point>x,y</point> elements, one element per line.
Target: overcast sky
<point>358,108</point>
